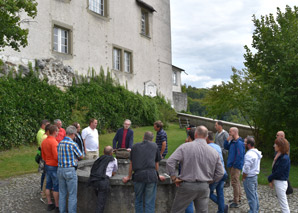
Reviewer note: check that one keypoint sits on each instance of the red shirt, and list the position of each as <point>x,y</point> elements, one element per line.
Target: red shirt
<point>61,135</point>
<point>49,151</point>
<point>124,138</point>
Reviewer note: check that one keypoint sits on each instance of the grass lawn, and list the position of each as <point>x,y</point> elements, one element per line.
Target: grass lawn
<point>20,161</point>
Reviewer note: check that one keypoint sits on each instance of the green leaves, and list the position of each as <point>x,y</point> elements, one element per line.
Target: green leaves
<point>265,92</point>
<point>24,102</point>
<point>11,32</point>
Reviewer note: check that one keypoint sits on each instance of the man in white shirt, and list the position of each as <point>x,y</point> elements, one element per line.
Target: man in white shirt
<point>90,138</point>
<point>251,169</point>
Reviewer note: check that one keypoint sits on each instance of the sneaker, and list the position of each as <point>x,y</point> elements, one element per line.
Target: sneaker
<point>51,207</point>
<point>234,205</point>
<point>42,200</point>
<point>226,210</point>
<point>57,209</point>
<point>231,201</point>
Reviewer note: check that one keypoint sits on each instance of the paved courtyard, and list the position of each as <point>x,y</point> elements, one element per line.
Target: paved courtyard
<point>21,194</point>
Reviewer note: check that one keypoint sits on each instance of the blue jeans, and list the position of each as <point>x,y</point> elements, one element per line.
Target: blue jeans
<point>68,183</point>
<point>189,208</point>
<point>219,199</point>
<point>250,185</point>
<point>146,191</point>
<point>52,179</point>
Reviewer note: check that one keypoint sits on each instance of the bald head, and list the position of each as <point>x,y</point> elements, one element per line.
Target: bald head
<point>201,132</point>
<point>234,132</point>
<point>280,134</point>
<point>108,150</point>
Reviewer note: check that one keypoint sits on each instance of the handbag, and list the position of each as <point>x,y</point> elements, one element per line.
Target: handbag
<point>122,153</point>
<point>289,189</point>
<point>38,155</point>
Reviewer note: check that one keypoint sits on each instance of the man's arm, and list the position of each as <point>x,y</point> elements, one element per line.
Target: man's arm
<point>127,178</point>
<point>246,167</point>
<point>163,147</point>
<point>84,146</point>
<point>219,170</point>
<point>172,161</point>
<point>115,139</point>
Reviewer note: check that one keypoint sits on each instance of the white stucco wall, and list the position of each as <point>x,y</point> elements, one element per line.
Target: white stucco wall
<point>93,38</point>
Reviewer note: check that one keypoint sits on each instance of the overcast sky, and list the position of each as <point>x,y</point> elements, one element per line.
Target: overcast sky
<point>208,36</point>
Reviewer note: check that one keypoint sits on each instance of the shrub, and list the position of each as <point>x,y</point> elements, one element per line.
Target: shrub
<point>25,101</point>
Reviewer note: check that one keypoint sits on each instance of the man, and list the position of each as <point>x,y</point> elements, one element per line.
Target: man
<point>39,136</point>
<point>220,137</point>
<point>124,137</point>
<point>41,167</point>
<point>68,154</point>
<point>144,162</point>
<point>41,131</point>
<point>90,139</point>
<point>61,133</point>
<point>251,169</point>
<point>161,139</point>
<point>234,144</point>
<point>219,186</point>
<point>50,156</point>
<point>103,168</point>
<point>200,165</point>
<point>281,134</point>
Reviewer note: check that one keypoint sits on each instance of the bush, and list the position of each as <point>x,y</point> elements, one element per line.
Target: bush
<point>25,101</point>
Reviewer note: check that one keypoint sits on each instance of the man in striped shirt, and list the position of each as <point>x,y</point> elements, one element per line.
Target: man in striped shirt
<point>161,139</point>
<point>68,154</point>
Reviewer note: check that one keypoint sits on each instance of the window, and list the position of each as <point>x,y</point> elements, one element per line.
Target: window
<point>127,60</point>
<point>175,78</point>
<point>144,23</point>
<point>98,6</point>
<point>122,59</point>
<point>61,40</point>
<point>117,59</point>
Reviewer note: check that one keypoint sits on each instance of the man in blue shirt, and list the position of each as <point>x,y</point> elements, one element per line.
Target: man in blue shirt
<point>161,139</point>
<point>235,145</point>
<point>68,154</point>
<point>219,199</point>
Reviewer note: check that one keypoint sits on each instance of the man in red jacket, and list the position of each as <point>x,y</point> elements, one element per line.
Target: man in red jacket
<point>61,132</point>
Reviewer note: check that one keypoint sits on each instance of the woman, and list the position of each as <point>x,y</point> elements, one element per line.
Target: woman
<point>280,172</point>
<point>78,139</point>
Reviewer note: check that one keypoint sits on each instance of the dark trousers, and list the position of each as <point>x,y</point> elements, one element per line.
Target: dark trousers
<point>102,189</point>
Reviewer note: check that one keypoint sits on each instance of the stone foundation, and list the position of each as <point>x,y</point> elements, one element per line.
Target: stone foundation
<point>121,196</point>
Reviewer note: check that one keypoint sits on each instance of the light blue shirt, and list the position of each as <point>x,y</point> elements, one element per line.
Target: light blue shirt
<point>218,149</point>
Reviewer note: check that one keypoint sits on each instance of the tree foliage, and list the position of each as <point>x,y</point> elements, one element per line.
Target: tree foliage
<point>11,32</point>
<point>25,101</point>
<point>266,91</point>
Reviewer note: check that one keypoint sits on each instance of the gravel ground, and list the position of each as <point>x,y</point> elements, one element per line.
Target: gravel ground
<point>22,194</point>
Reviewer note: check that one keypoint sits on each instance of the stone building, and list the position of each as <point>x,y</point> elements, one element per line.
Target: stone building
<point>131,38</point>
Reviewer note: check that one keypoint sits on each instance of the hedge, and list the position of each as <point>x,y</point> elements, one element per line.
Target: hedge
<point>25,101</point>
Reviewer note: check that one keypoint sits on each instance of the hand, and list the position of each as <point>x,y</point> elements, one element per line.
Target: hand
<point>162,178</point>
<point>229,138</point>
<point>129,149</point>
<point>271,185</point>
<point>125,179</point>
<point>178,182</point>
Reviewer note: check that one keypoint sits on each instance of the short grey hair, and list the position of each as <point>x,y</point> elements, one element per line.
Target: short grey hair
<point>148,136</point>
<point>56,121</point>
<point>202,131</point>
<point>128,121</point>
<point>71,130</point>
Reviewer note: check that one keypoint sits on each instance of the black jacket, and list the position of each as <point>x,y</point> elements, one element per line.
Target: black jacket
<point>98,170</point>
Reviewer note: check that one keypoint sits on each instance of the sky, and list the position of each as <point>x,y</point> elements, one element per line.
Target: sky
<point>208,36</point>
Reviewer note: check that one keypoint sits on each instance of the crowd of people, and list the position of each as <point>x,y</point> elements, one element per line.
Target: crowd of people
<point>206,166</point>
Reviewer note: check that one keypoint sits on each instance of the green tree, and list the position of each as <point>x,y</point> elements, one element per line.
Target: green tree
<point>11,33</point>
<point>266,91</point>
